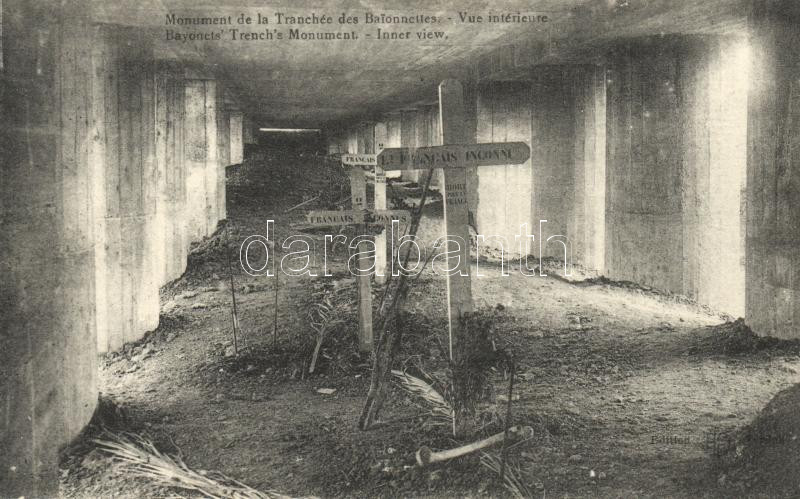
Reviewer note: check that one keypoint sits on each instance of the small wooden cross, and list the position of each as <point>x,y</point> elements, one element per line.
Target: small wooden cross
<point>362,217</point>
<point>454,156</point>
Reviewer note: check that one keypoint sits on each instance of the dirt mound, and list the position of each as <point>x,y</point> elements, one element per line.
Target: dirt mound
<point>736,338</point>
<point>278,180</point>
<point>763,458</point>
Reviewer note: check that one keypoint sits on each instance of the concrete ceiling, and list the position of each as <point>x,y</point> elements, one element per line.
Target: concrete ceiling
<point>316,83</point>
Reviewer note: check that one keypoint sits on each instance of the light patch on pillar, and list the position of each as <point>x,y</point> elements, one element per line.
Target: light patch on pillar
<point>505,193</point>
<point>715,175</point>
<point>237,138</point>
<point>728,100</point>
<point>586,225</point>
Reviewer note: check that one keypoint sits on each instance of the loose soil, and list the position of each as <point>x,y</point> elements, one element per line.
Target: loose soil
<point>628,390</point>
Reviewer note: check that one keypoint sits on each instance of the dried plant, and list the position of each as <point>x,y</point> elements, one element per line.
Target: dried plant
<point>139,457</point>
<point>331,310</point>
<point>512,481</point>
<point>440,410</point>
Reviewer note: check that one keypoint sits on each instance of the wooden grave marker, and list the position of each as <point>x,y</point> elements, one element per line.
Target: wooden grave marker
<point>360,216</point>
<point>454,156</point>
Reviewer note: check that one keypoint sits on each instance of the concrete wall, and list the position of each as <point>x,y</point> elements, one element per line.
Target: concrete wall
<point>95,212</point>
<point>48,367</point>
<point>200,153</point>
<point>130,250</point>
<point>586,228</point>
<point>171,202</point>
<point>644,239</point>
<point>552,155</point>
<point>641,165</point>
<point>639,162</point>
<point>223,149</point>
<point>503,197</point>
<point>773,171</point>
<point>541,112</point>
<point>427,133</point>
<point>392,123</point>
<point>675,167</point>
<point>158,154</point>
<point>248,131</point>
<point>714,122</point>
<point>236,138</point>
<point>365,135</point>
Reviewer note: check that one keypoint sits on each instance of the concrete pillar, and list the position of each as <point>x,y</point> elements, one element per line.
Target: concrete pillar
<point>170,223</point>
<point>48,370</point>
<point>365,137</point>
<point>104,153</point>
<point>393,138</point>
<point>408,138</point>
<point>421,139</point>
<point>773,171</point>
<point>470,86</point>
<point>223,150</point>
<point>352,141</point>
<point>504,194</point>
<point>434,138</point>
<point>337,142</point>
<point>675,162</point>
<point>587,225</point>
<point>237,138</point>
<point>248,131</point>
<point>552,156</point>
<point>644,241</point>
<point>138,183</point>
<point>200,155</point>
<point>714,102</point>
<point>123,149</point>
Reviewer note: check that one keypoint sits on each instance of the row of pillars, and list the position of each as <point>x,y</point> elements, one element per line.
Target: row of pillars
<point>160,141</point>
<point>692,190</point>
<point>113,164</point>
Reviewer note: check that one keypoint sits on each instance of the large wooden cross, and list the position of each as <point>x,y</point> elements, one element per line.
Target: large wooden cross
<point>361,217</point>
<point>454,156</point>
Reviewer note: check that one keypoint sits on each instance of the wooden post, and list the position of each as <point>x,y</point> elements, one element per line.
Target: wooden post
<point>381,136</point>
<point>366,219</point>
<point>459,293</point>
<point>456,216</point>
<point>454,156</point>
<point>358,191</point>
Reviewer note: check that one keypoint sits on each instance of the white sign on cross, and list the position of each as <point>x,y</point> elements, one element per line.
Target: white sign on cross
<point>454,156</point>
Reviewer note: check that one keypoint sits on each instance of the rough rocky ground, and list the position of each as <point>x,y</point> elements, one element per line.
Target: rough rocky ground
<point>629,391</point>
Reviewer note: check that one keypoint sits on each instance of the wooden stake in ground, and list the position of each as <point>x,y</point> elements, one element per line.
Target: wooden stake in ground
<point>361,217</point>
<point>275,311</point>
<point>454,156</point>
<point>390,334</point>
<point>358,190</point>
<point>365,219</point>
<point>234,313</point>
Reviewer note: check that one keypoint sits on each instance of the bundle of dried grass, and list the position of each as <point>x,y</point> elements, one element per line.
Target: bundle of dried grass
<point>512,481</point>
<point>332,308</point>
<point>139,457</point>
<point>440,410</point>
